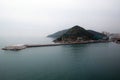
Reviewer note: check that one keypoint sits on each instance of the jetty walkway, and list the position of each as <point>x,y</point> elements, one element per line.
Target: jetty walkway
<point>24,46</point>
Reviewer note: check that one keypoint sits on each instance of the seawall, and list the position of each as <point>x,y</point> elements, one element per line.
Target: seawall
<point>21,47</point>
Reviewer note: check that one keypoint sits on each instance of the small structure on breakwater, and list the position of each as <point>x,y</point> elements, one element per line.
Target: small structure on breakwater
<point>14,47</point>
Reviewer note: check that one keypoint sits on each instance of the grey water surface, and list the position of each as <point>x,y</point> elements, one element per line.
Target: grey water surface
<point>98,61</point>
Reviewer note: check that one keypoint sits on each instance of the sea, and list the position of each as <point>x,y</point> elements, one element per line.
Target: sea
<point>94,61</point>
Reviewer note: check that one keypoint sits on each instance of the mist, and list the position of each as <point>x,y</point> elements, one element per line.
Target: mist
<point>43,17</point>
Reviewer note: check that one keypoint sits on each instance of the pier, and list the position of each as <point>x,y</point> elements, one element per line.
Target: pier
<point>24,46</point>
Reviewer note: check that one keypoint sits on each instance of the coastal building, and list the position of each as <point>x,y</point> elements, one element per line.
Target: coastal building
<point>114,37</point>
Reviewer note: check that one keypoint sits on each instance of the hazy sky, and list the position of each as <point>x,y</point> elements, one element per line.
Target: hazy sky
<point>42,17</point>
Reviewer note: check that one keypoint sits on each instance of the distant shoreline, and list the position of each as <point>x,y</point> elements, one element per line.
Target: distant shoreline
<point>82,42</point>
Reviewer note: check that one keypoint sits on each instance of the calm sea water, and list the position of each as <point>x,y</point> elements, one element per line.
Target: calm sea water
<point>99,61</point>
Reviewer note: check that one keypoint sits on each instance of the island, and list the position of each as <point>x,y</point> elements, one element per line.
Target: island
<point>72,36</point>
<point>78,34</point>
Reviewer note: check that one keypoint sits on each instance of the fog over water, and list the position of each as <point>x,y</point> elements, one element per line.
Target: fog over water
<point>43,17</point>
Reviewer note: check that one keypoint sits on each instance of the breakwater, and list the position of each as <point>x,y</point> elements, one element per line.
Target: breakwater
<point>24,46</point>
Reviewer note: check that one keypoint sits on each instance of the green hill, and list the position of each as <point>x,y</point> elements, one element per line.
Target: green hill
<point>74,33</point>
<point>77,32</point>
